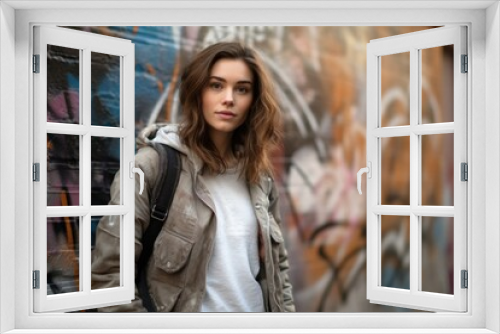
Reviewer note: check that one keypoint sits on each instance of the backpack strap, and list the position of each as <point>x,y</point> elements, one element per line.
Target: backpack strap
<point>162,197</point>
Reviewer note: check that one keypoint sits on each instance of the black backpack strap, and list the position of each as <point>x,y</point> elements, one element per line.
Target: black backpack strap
<point>162,197</point>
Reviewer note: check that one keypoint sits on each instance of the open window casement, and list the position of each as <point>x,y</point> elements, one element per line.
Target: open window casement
<point>70,135</point>
<point>400,132</point>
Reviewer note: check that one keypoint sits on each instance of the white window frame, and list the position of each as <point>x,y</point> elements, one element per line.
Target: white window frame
<point>124,51</point>
<point>413,44</point>
<point>483,21</point>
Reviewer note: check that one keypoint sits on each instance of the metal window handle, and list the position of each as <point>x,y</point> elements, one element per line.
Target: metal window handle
<point>368,171</point>
<point>139,171</point>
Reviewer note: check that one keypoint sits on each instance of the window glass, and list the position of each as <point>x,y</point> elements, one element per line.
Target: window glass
<point>106,274</point>
<point>63,255</point>
<point>63,85</point>
<point>63,170</point>
<point>437,84</point>
<point>395,171</point>
<point>395,261</point>
<point>106,90</point>
<point>105,163</point>
<point>438,174</point>
<point>437,254</point>
<point>395,89</point>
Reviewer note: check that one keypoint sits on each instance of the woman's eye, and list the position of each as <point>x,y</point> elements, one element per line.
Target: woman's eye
<point>216,85</point>
<point>243,90</point>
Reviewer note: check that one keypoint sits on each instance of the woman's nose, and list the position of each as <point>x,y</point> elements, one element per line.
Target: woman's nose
<point>228,97</point>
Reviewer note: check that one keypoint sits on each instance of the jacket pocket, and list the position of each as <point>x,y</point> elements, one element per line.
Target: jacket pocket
<point>168,273</point>
<point>171,252</point>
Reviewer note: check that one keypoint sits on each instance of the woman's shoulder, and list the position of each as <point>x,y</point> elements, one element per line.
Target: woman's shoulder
<point>147,159</point>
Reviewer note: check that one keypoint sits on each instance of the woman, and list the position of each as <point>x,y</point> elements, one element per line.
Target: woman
<point>221,247</point>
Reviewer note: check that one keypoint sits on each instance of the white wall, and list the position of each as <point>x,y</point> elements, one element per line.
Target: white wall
<point>7,167</point>
<point>492,172</point>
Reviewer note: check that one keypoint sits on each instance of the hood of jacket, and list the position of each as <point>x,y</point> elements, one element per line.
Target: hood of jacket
<point>168,134</point>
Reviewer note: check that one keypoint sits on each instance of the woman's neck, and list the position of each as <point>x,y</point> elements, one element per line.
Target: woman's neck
<point>222,142</point>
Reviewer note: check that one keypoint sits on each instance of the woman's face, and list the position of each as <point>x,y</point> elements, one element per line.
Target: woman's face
<point>228,96</point>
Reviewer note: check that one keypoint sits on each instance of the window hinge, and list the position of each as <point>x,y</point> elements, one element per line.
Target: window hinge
<point>465,279</point>
<point>464,171</point>
<point>36,63</point>
<point>36,279</point>
<point>36,172</point>
<point>465,64</point>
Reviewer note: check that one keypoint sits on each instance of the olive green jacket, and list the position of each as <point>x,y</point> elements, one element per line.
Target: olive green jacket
<point>176,272</point>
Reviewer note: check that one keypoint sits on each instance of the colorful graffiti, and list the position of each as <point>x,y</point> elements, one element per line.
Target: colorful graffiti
<point>320,75</point>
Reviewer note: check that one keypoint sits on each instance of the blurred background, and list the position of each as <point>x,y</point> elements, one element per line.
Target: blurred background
<point>320,75</point>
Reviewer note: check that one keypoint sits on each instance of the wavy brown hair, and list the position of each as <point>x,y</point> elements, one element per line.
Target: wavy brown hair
<point>254,140</point>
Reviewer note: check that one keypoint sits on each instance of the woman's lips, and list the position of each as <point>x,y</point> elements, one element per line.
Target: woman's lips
<point>225,114</point>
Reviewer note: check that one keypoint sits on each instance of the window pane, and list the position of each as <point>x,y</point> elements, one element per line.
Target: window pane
<point>63,84</point>
<point>105,156</point>
<point>437,254</point>
<point>105,83</point>
<point>395,243</point>
<point>106,245</point>
<point>395,171</point>
<point>395,90</point>
<point>63,249</point>
<point>63,170</point>
<point>437,84</point>
<point>437,169</point>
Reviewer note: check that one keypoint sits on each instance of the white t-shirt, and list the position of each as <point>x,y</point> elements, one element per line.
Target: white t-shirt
<point>231,285</point>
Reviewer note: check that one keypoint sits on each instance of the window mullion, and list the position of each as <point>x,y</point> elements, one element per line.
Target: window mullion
<point>85,248</point>
<point>87,171</point>
<point>415,268</point>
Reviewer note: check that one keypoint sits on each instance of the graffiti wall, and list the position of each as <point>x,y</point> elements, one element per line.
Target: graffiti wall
<point>320,75</point>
